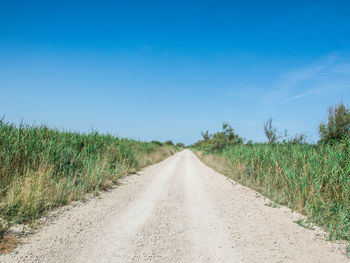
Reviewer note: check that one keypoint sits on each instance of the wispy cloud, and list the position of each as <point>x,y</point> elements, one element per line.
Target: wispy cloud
<point>315,91</point>
<point>327,74</point>
<point>343,68</point>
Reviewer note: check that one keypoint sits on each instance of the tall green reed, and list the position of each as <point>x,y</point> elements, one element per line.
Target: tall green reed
<point>312,179</point>
<point>41,168</point>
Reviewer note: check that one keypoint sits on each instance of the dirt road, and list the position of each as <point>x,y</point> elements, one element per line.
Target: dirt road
<point>178,210</point>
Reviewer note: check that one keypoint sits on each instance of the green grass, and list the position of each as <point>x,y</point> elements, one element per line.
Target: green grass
<point>305,224</point>
<point>41,168</point>
<point>312,179</point>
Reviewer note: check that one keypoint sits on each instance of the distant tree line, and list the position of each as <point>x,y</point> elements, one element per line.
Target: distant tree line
<point>170,143</point>
<point>335,129</point>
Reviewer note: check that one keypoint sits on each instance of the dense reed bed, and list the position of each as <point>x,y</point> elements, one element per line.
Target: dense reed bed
<point>312,179</point>
<point>41,168</point>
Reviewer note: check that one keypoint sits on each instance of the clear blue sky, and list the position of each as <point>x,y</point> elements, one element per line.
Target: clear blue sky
<point>158,70</point>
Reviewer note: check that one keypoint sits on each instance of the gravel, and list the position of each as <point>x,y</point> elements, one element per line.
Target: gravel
<point>178,210</point>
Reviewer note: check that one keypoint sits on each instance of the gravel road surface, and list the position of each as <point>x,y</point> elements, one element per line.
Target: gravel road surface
<point>178,210</point>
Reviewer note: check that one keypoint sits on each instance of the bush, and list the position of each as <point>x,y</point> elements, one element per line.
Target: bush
<point>338,126</point>
<point>180,145</point>
<point>298,139</point>
<point>270,132</point>
<point>249,143</point>
<point>158,143</point>
<point>219,140</point>
<point>169,142</point>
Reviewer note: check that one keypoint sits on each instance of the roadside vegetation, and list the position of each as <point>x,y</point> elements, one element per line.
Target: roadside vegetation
<point>42,168</point>
<point>313,179</point>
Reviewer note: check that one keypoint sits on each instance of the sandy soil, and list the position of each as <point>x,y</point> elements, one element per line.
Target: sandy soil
<point>178,210</point>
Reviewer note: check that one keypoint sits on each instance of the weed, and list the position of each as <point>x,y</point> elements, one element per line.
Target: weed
<point>273,205</point>
<point>348,250</point>
<point>305,223</point>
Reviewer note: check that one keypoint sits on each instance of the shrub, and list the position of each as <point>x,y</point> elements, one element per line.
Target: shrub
<point>219,140</point>
<point>337,127</point>
<point>249,143</point>
<point>180,144</point>
<point>158,143</point>
<point>298,139</point>
<point>169,142</point>
<point>270,132</point>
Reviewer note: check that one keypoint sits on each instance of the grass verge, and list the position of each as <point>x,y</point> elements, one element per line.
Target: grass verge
<point>311,179</point>
<point>42,168</point>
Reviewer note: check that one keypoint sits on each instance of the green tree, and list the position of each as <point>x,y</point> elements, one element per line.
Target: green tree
<point>180,144</point>
<point>337,127</point>
<point>270,132</point>
<point>169,142</point>
<point>205,135</point>
<point>219,140</point>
